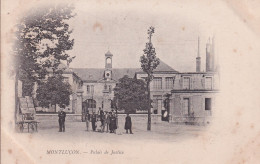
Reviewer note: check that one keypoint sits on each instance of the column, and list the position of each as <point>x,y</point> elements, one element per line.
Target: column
<point>79,102</point>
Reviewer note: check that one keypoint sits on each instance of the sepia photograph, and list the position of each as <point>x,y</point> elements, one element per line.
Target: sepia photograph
<point>130,81</point>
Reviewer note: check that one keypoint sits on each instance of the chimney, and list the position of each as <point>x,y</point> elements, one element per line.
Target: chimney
<point>208,57</point>
<point>198,61</point>
<point>213,54</point>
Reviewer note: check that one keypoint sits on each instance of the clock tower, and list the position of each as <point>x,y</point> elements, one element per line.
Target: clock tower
<point>108,66</point>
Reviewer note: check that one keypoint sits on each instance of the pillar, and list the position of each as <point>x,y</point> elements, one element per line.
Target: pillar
<point>79,102</point>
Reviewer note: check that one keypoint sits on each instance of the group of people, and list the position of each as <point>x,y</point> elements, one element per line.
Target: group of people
<point>101,122</point>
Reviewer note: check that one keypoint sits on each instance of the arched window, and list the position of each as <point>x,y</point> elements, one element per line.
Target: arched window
<point>109,60</point>
<point>91,103</point>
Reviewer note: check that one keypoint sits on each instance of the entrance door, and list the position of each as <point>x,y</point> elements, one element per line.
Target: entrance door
<point>88,105</point>
<point>84,111</point>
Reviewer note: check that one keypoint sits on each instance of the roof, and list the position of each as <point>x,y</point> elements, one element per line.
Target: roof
<point>162,68</point>
<point>96,74</point>
<point>109,53</point>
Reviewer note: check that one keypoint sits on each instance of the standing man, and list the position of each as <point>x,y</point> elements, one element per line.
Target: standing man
<point>87,117</point>
<point>93,121</point>
<point>107,118</point>
<point>128,124</point>
<point>61,115</point>
<point>112,125</point>
<point>101,115</point>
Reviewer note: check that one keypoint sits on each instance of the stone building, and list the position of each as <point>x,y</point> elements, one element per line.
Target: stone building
<point>193,94</point>
<point>98,83</point>
<point>162,83</point>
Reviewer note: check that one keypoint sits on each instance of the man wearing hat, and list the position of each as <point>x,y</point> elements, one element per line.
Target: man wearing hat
<point>107,120</point>
<point>61,115</point>
<point>93,121</point>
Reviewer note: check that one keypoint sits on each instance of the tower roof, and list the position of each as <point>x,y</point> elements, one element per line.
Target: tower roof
<point>109,53</point>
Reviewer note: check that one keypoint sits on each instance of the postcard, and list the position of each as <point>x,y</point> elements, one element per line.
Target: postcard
<point>130,81</point>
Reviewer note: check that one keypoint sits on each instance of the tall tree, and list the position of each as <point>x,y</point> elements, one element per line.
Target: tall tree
<point>42,42</point>
<point>54,91</point>
<point>43,39</point>
<point>130,94</point>
<point>149,62</point>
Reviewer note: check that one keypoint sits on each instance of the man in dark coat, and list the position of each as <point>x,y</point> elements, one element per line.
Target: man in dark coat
<point>101,116</point>
<point>93,121</point>
<point>61,115</point>
<point>107,120</point>
<point>128,124</point>
<point>87,118</point>
<point>112,126</point>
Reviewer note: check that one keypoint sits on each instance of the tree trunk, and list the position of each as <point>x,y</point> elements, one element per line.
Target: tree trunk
<point>149,107</point>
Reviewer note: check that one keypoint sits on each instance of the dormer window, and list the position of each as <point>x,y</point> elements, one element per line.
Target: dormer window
<point>186,82</point>
<point>208,83</point>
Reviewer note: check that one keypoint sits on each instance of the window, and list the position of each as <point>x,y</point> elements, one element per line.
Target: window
<point>88,89</point>
<point>91,103</point>
<point>208,83</point>
<point>110,88</point>
<point>157,83</point>
<point>105,87</point>
<point>186,83</point>
<point>157,104</point>
<point>207,103</point>
<point>109,60</point>
<point>169,83</point>
<point>92,88</point>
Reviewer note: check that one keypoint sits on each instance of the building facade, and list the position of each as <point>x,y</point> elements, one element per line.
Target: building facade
<point>98,84</point>
<point>193,95</point>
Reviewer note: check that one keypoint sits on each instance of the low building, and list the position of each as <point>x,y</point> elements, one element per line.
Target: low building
<point>194,96</point>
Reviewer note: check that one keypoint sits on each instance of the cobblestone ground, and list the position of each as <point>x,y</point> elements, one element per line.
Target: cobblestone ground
<point>162,131</point>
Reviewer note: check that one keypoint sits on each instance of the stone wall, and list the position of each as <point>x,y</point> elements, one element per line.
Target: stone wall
<point>77,117</point>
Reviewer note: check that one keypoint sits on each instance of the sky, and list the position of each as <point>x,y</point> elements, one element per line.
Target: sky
<point>122,29</point>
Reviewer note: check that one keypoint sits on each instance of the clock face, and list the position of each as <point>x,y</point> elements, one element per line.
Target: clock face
<point>108,74</point>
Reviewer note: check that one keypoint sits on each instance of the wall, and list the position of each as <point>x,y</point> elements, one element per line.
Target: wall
<point>197,80</point>
<point>121,117</point>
